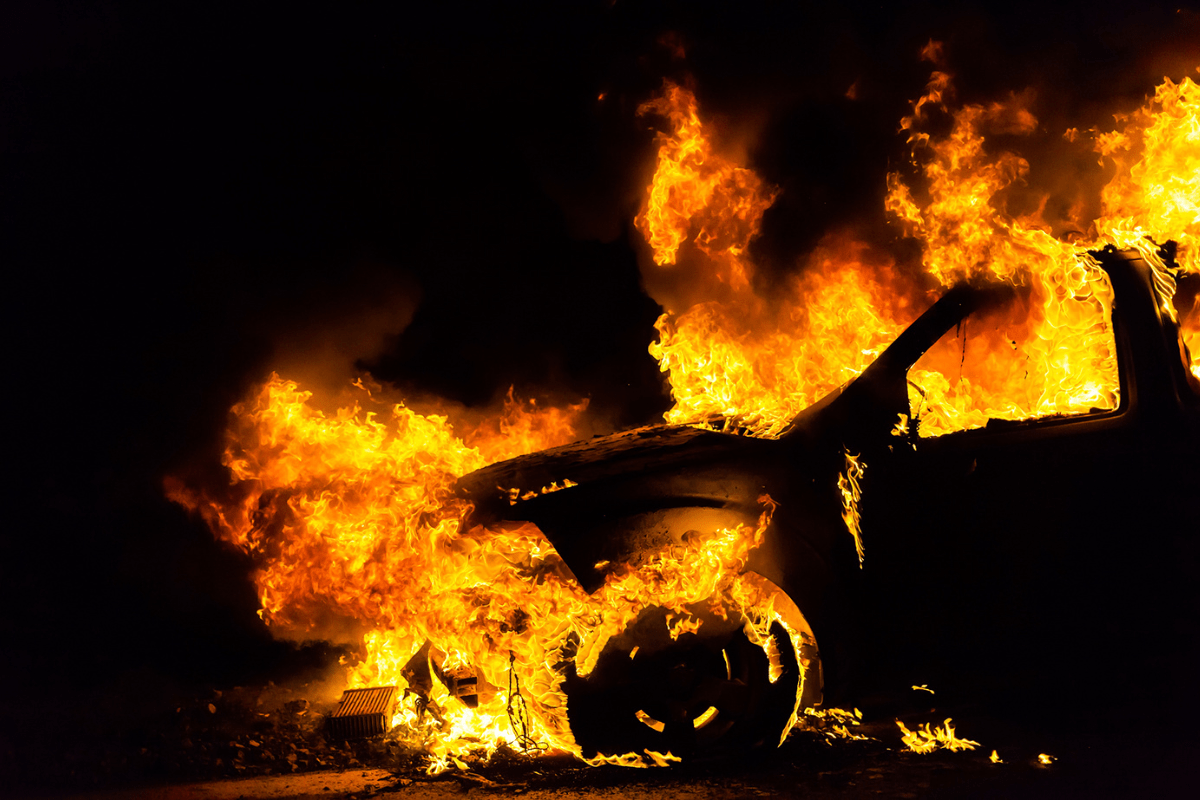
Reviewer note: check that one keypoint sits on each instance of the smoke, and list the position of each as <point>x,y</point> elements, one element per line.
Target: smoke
<point>324,340</point>
<point>789,71</point>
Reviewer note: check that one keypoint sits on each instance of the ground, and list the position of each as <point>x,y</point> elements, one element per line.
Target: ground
<point>271,742</point>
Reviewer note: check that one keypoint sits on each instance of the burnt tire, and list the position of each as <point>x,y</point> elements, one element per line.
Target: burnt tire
<point>706,692</point>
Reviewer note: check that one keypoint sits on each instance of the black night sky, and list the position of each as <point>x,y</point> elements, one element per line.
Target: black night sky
<point>194,193</point>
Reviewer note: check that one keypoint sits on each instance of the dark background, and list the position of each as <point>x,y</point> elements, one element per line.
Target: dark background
<point>193,194</point>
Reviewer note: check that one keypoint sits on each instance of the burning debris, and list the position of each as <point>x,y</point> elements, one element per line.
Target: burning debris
<point>363,712</point>
<point>926,739</point>
<point>672,601</point>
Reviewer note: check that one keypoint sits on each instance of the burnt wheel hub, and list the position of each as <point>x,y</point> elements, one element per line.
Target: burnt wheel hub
<point>708,690</point>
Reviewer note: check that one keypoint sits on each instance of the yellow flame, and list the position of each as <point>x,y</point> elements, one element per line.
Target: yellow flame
<point>1155,192</point>
<point>1064,360</point>
<point>834,723</point>
<point>723,364</point>
<point>926,739</point>
<point>1154,195</point>
<point>352,518</point>
<point>697,194</point>
<point>850,487</point>
<point>749,366</point>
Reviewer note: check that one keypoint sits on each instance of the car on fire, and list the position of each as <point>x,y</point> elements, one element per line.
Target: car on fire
<point>1041,558</point>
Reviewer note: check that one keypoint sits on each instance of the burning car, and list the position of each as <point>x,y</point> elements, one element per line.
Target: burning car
<point>1020,530</point>
<point>850,494</point>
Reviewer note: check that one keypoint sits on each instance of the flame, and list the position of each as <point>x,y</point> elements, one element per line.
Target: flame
<point>351,517</point>
<point>1054,354</point>
<point>850,487</point>
<point>835,723</point>
<point>926,739</point>
<point>698,194</point>
<point>1154,195</point>
<point>831,324</point>
<point>749,365</point>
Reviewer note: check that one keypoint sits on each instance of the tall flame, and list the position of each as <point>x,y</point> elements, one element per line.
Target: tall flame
<point>1154,195</point>
<point>752,365</point>
<point>1064,360</point>
<point>1155,192</point>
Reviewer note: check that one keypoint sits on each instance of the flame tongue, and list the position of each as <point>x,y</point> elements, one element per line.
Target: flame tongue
<point>699,195</point>
<point>1065,351</point>
<point>1155,192</point>
<point>1154,195</point>
<point>757,363</point>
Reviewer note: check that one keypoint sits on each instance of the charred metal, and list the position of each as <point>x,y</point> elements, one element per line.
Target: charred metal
<point>1039,538</point>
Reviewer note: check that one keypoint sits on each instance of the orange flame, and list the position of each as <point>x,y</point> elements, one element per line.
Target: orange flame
<point>850,487</point>
<point>351,518</point>
<point>1064,360</point>
<point>926,739</point>
<point>698,194</point>
<point>756,373</point>
<point>1154,195</point>
<point>751,365</point>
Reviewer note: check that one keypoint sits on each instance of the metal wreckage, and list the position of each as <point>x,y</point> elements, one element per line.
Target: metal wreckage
<point>1034,556</point>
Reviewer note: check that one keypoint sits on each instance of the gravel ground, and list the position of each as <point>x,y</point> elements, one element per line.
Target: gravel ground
<point>272,742</point>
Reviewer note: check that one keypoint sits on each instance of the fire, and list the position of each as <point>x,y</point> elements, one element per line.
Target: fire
<point>926,739</point>
<point>1155,192</point>
<point>353,518</point>
<point>1057,355</point>
<point>850,487</point>
<point>699,195</point>
<point>749,365</point>
<point>741,363</point>
<point>1154,195</point>
<point>827,329</point>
